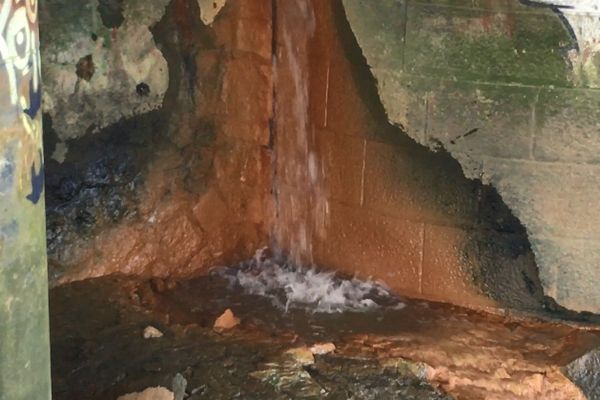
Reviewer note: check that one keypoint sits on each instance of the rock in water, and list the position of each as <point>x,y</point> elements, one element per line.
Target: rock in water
<point>155,393</point>
<point>226,321</point>
<point>320,349</point>
<point>152,333</point>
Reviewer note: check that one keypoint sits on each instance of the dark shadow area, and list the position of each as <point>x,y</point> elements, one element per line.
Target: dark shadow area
<point>97,185</point>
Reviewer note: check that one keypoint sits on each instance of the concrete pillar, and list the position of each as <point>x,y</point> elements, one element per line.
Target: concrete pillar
<point>24,339</point>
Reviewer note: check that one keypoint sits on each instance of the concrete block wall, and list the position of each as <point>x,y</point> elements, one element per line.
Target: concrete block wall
<point>378,204</point>
<point>509,89</point>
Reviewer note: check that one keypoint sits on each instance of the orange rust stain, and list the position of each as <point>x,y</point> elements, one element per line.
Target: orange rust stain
<point>486,22</point>
<point>180,229</point>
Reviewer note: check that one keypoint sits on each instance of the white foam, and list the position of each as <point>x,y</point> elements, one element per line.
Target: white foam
<point>290,286</point>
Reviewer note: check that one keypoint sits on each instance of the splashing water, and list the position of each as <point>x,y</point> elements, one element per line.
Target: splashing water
<point>291,286</point>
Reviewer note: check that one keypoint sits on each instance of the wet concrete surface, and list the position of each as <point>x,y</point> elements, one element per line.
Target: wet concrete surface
<point>424,351</point>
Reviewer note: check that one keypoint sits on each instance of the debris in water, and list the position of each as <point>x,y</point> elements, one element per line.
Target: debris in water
<point>320,349</point>
<point>301,356</point>
<point>155,393</point>
<point>179,385</point>
<point>152,333</point>
<point>226,321</point>
<point>408,367</point>
<point>291,286</point>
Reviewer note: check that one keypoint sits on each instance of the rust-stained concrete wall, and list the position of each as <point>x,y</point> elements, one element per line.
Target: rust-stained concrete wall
<point>157,163</point>
<point>509,89</point>
<point>24,341</point>
<point>188,184</point>
<point>356,194</point>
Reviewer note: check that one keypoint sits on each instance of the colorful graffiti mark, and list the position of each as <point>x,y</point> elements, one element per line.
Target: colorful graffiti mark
<point>24,350</point>
<point>20,60</point>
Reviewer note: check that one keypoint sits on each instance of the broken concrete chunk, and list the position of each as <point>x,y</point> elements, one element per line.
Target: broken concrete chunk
<point>486,130</point>
<point>209,9</point>
<point>301,355</point>
<point>154,393</point>
<point>152,333</point>
<point>226,321</point>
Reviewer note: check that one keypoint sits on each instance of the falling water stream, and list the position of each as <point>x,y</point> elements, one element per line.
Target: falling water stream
<point>299,186</point>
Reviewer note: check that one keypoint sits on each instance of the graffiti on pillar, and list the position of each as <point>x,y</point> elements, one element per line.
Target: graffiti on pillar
<point>582,19</point>
<point>20,76</point>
